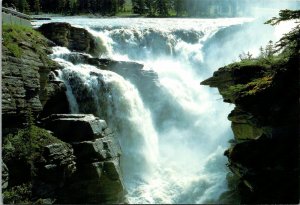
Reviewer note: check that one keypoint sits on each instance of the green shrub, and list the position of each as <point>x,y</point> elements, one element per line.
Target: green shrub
<point>18,194</point>
<point>26,143</point>
<point>25,146</point>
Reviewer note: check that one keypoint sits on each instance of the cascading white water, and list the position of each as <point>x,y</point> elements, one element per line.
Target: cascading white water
<point>172,144</point>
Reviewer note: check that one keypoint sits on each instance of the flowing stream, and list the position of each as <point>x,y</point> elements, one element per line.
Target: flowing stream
<point>172,131</point>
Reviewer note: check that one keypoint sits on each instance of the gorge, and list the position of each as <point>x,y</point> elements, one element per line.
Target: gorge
<point>142,77</point>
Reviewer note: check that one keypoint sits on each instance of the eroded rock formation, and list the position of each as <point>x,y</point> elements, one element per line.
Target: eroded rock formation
<point>265,151</point>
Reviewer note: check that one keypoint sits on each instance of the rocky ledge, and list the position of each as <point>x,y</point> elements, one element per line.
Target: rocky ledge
<point>50,157</point>
<point>264,154</point>
<point>97,178</point>
<point>75,39</point>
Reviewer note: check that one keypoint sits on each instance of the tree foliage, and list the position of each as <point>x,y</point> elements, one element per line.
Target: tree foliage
<point>160,8</point>
<point>289,40</point>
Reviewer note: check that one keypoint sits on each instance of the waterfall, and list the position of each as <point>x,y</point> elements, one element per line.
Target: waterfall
<point>172,131</point>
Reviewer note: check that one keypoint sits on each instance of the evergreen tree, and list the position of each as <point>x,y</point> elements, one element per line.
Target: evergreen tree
<point>61,6</point>
<point>11,3</point>
<point>36,6</point>
<point>138,6</point>
<point>23,6</point>
<point>149,6</point>
<point>114,7</point>
<point>162,7</point>
<point>179,7</point>
<point>121,5</point>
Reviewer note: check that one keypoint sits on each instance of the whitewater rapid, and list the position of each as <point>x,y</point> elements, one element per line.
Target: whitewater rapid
<point>172,144</point>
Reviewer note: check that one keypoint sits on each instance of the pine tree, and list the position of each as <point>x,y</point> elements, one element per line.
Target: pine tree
<point>179,7</point>
<point>36,6</point>
<point>23,6</point>
<point>149,6</point>
<point>114,7</point>
<point>61,5</point>
<point>162,7</point>
<point>121,4</point>
<point>138,6</point>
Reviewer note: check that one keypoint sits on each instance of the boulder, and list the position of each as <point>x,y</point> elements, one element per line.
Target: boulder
<point>75,39</point>
<point>98,182</point>
<point>98,177</point>
<point>55,92</point>
<point>100,149</point>
<point>54,171</point>
<point>76,127</point>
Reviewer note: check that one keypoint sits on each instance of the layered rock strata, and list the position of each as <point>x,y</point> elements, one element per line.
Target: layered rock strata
<point>27,85</point>
<point>82,167</point>
<point>98,177</point>
<point>265,151</point>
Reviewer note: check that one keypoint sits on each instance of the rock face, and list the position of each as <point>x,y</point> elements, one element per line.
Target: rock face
<point>53,172</point>
<point>82,167</point>
<point>75,39</point>
<point>98,177</point>
<point>26,82</point>
<point>265,151</point>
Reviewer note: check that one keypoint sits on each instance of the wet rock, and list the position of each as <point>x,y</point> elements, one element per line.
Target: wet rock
<point>54,93</point>
<point>75,39</point>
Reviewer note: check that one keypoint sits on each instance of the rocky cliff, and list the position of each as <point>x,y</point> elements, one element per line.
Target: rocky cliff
<point>264,153</point>
<point>27,80</point>
<point>50,157</point>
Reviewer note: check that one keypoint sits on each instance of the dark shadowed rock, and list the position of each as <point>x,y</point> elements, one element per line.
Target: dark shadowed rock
<point>54,171</point>
<point>265,123</point>
<point>54,99</point>
<point>100,182</point>
<point>75,39</point>
<point>5,175</point>
<point>98,177</point>
<point>100,149</point>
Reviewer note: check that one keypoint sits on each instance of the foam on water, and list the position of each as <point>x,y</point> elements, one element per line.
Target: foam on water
<point>179,159</point>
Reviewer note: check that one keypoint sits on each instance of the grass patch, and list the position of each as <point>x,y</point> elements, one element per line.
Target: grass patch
<point>14,35</point>
<point>252,88</point>
<point>27,144</point>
